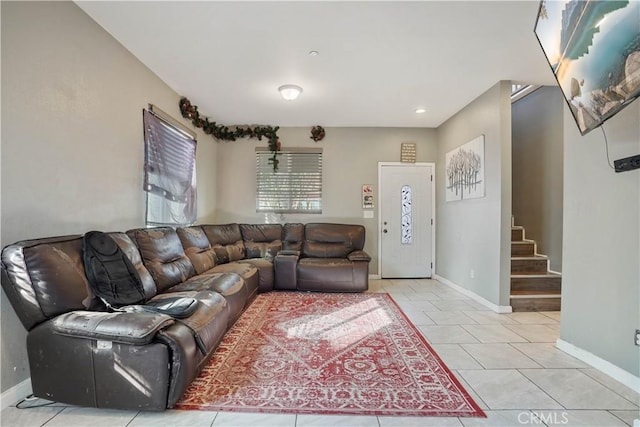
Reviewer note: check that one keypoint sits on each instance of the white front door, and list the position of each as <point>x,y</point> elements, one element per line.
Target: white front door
<point>406,220</point>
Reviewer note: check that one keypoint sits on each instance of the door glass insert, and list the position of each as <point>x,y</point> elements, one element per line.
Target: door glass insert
<point>406,220</point>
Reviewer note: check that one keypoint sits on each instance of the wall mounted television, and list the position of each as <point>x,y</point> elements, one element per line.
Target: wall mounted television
<point>593,48</point>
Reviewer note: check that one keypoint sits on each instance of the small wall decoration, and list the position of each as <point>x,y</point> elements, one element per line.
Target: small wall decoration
<point>317,133</point>
<point>465,171</point>
<point>408,152</point>
<point>367,196</point>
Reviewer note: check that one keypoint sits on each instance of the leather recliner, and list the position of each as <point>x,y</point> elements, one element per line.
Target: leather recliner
<point>100,359</point>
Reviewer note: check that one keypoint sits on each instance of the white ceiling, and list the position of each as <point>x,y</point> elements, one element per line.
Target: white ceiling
<point>378,61</point>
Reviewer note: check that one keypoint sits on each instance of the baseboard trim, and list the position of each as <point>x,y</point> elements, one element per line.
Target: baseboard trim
<point>15,393</point>
<point>494,307</point>
<point>374,277</point>
<point>615,372</point>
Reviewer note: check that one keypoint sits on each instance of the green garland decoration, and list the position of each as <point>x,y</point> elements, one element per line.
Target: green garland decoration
<point>231,133</point>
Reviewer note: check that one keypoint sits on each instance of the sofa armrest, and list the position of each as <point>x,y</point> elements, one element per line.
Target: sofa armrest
<point>285,270</point>
<point>128,328</point>
<point>359,256</point>
<point>288,252</point>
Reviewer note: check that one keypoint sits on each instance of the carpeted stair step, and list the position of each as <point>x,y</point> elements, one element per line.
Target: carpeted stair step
<point>529,264</point>
<point>517,233</point>
<point>535,302</point>
<point>547,283</point>
<point>523,248</point>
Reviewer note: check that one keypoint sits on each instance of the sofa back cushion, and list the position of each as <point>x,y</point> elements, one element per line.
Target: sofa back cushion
<point>312,249</point>
<point>226,241</point>
<point>262,249</point>
<point>44,278</point>
<point>332,240</point>
<point>261,240</point>
<point>132,252</point>
<point>292,236</point>
<point>163,255</point>
<point>197,248</point>
<point>261,232</point>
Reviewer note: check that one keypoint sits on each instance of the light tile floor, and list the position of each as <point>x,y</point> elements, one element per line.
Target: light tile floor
<point>507,362</point>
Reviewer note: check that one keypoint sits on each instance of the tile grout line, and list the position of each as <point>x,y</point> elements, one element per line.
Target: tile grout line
<point>526,355</point>
<point>540,388</point>
<point>609,388</point>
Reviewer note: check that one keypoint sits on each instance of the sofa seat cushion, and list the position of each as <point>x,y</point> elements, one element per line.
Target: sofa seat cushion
<point>230,285</point>
<point>248,272</point>
<point>265,272</point>
<point>325,274</point>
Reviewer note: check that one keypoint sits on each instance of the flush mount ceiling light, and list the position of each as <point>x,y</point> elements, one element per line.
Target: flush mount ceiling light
<point>420,110</point>
<point>290,92</point>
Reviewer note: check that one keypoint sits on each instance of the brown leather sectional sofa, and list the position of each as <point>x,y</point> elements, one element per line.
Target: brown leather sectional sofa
<point>146,360</point>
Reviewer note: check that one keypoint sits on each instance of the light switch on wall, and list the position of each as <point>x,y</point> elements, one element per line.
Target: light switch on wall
<point>367,214</point>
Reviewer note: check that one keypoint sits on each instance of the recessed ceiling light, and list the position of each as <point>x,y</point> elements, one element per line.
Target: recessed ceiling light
<point>314,53</point>
<point>420,110</point>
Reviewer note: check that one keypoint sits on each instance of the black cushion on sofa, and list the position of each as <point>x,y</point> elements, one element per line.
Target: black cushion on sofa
<point>113,278</point>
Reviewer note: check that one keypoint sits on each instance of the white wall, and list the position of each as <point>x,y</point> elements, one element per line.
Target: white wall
<point>350,159</point>
<point>601,261</point>
<point>72,137</point>
<point>537,126</point>
<point>475,234</point>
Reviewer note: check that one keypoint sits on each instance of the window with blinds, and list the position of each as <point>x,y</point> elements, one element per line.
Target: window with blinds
<point>169,173</point>
<point>296,187</point>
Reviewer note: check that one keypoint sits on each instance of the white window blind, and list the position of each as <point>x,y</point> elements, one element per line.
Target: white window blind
<point>169,173</point>
<point>296,187</point>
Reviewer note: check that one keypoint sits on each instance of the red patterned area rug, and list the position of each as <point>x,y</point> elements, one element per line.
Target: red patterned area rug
<point>324,353</point>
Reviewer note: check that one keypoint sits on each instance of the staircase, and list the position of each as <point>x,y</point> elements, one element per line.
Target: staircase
<point>533,286</point>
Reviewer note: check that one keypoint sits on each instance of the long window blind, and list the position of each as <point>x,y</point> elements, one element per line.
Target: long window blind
<point>296,187</point>
<point>169,173</point>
